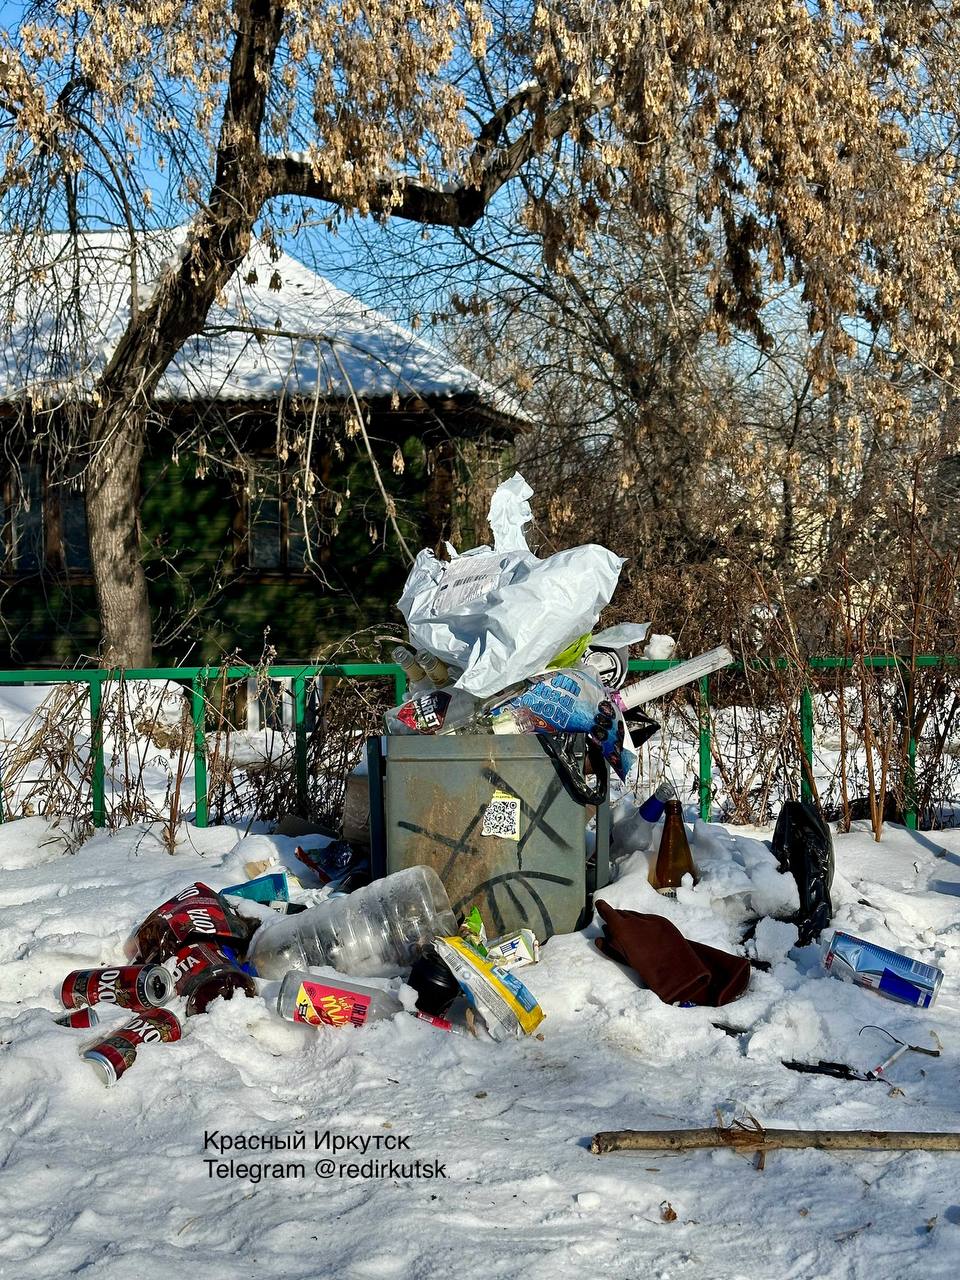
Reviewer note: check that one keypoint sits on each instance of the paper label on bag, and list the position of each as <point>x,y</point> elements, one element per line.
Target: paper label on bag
<point>514,950</point>
<point>468,578</point>
<point>502,817</point>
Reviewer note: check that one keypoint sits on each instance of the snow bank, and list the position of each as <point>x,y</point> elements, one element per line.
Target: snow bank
<point>116,1182</point>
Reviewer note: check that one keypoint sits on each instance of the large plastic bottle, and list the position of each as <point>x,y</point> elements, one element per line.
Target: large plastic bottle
<point>373,932</point>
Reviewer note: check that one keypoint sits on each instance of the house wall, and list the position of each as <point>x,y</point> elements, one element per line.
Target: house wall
<point>206,540</point>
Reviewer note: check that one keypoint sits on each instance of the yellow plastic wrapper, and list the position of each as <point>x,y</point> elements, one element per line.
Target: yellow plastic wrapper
<point>502,1001</point>
<point>572,653</point>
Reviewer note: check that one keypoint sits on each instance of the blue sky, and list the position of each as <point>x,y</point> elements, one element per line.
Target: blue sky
<point>353,258</point>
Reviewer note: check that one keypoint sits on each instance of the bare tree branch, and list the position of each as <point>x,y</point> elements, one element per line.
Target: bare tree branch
<point>491,166</point>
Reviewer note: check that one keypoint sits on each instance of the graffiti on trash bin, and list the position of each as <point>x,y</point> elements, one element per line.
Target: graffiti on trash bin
<point>509,882</point>
<point>513,883</point>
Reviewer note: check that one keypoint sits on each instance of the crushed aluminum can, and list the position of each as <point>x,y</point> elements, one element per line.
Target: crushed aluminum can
<point>203,972</point>
<point>196,914</point>
<point>889,973</point>
<point>78,1018</point>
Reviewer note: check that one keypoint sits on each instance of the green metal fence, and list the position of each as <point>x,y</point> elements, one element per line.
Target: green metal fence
<point>905,666</point>
<point>199,678</point>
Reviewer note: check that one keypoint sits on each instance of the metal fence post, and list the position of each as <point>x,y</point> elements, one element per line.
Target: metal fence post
<point>910,774</point>
<point>198,709</point>
<point>706,755</point>
<point>910,785</point>
<point>806,744</point>
<point>300,740</point>
<point>98,778</point>
<point>399,682</point>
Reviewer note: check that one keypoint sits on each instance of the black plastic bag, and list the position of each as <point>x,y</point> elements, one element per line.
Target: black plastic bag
<point>803,846</point>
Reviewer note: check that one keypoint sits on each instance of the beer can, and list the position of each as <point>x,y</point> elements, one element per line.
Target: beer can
<point>113,1055</point>
<point>134,986</point>
<point>202,972</point>
<point>889,973</point>
<point>196,914</point>
<point>78,1018</point>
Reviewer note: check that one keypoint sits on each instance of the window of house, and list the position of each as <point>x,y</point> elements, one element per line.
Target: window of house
<point>23,521</point>
<point>276,538</point>
<point>73,529</point>
<point>266,521</point>
<point>44,525</point>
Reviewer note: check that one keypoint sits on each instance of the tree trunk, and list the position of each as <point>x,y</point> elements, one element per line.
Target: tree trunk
<point>244,179</point>
<point>437,524</point>
<point>113,509</point>
<point>156,332</point>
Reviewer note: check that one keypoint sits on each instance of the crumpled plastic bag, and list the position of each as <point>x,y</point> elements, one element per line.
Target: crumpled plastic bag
<point>499,614</point>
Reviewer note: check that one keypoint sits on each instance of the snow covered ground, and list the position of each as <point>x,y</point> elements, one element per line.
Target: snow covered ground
<point>116,1183</point>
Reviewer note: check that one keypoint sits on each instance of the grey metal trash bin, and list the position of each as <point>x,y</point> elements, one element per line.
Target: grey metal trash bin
<point>429,798</point>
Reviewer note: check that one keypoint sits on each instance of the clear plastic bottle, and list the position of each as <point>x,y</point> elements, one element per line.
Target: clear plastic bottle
<point>435,711</point>
<point>373,932</point>
<point>326,1001</point>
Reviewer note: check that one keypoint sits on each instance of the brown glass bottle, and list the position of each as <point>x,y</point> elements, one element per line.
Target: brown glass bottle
<point>674,859</point>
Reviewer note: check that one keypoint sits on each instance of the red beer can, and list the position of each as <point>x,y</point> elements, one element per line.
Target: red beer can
<point>134,986</point>
<point>196,914</point>
<point>115,1053</point>
<point>78,1018</point>
<point>202,972</point>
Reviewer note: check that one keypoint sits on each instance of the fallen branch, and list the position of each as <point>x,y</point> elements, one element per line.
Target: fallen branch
<point>747,1138</point>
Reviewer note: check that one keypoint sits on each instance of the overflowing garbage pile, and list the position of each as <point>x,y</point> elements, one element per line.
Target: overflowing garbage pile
<point>202,945</point>
<point>501,642</point>
<point>314,964</point>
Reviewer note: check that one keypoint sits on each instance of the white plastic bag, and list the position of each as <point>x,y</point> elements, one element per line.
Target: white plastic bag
<point>500,614</point>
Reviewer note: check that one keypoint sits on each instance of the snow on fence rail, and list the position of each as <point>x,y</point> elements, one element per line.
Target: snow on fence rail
<point>104,748</point>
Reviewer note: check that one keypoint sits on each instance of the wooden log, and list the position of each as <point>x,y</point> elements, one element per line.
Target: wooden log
<point>747,1138</point>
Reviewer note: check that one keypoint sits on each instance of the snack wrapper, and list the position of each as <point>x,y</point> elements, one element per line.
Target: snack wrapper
<point>502,1001</point>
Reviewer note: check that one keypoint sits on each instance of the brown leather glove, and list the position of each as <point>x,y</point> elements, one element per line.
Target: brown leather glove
<point>677,970</point>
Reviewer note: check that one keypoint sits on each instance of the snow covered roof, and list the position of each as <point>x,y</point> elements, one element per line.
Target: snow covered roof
<point>69,315</point>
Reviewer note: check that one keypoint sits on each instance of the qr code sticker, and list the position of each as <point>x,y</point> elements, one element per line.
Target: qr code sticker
<point>502,817</point>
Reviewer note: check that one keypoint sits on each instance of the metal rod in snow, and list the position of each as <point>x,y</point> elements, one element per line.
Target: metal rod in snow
<point>663,682</point>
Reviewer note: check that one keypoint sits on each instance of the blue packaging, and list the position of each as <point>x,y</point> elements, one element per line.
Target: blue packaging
<point>889,973</point>
<point>572,700</point>
<point>266,889</point>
